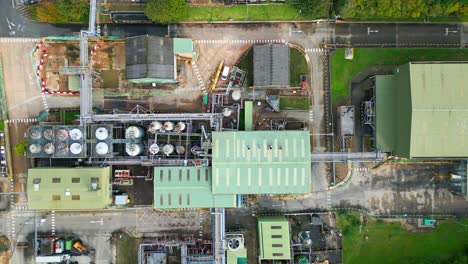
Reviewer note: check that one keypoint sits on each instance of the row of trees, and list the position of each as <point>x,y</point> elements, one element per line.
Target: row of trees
<point>62,11</point>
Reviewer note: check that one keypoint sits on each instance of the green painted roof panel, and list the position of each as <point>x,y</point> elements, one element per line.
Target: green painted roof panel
<point>187,187</point>
<point>248,119</point>
<point>183,45</point>
<point>45,184</point>
<point>273,235</point>
<point>261,162</point>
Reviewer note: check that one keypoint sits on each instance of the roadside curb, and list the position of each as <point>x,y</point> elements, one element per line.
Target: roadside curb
<point>10,170</point>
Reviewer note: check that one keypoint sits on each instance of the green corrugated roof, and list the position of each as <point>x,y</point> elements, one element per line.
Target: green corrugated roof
<point>77,180</point>
<point>273,236</point>
<point>236,257</point>
<point>74,83</point>
<point>261,162</point>
<point>187,187</point>
<point>421,110</point>
<point>183,45</point>
<point>248,118</point>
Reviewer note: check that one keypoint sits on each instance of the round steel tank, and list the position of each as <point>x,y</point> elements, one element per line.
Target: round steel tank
<point>62,148</point>
<point>168,149</point>
<point>102,148</point>
<point>180,149</point>
<point>35,148</point>
<point>180,127</point>
<point>35,134</point>
<point>154,127</point>
<point>62,134</point>
<point>101,133</point>
<point>154,149</point>
<point>236,95</point>
<point>48,134</point>
<point>76,134</point>
<point>134,132</point>
<point>168,126</point>
<point>76,148</point>
<point>49,148</point>
<point>227,112</point>
<point>133,149</point>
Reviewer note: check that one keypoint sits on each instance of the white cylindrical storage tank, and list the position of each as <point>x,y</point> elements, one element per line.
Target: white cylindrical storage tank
<point>102,133</point>
<point>154,127</point>
<point>62,148</point>
<point>76,134</point>
<point>180,149</point>
<point>76,148</point>
<point>180,127</point>
<point>35,134</point>
<point>134,132</point>
<point>134,149</point>
<point>62,134</point>
<point>168,149</point>
<point>35,148</point>
<point>236,95</point>
<point>227,112</point>
<point>154,149</point>
<point>169,126</point>
<point>48,134</point>
<point>102,148</point>
<point>49,148</point>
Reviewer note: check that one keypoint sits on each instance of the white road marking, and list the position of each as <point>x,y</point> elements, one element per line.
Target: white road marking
<point>18,40</point>
<point>240,41</point>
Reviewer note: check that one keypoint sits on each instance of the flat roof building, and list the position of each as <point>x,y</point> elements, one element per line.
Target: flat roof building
<point>422,110</point>
<point>273,237</point>
<point>187,187</point>
<point>69,188</point>
<point>261,162</point>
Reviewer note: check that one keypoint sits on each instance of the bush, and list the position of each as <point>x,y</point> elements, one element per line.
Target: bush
<point>61,11</point>
<point>20,148</point>
<point>166,11</point>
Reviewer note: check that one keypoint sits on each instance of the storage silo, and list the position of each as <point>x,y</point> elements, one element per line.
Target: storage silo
<point>76,148</point>
<point>48,134</point>
<point>134,149</point>
<point>62,135</point>
<point>49,148</point>
<point>76,134</point>
<point>134,132</point>
<point>102,148</point>
<point>168,149</point>
<point>35,148</point>
<point>180,127</point>
<point>35,134</point>
<point>154,127</point>
<point>180,149</point>
<point>168,126</point>
<point>154,149</point>
<point>102,133</point>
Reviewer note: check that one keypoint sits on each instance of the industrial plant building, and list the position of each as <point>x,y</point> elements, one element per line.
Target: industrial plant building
<point>271,65</point>
<point>273,237</point>
<point>421,110</point>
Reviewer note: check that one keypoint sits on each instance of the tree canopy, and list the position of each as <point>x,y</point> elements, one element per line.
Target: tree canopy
<point>62,11</point>
<point>166,11</point>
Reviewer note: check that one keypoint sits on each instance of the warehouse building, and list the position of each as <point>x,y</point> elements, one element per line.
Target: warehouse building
<point>422,112</point>
<point>274,238</point>
<point>69,188</point>
<point>187,187</point>
<point>261,162</point>
<point>271,65</point>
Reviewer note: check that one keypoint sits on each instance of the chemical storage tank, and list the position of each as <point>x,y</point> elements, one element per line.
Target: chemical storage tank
<point>154,127</point>
<point>49,148</point>
<point>134,132</point>
<point>134,149</point>
<point>180,149</point>
<point>236,95</point>
<point>76,148</point>
<point>154,149</point>
<point>102,133</point>
<point>62,148</point>
<point>102,148</point>
<point>62,135</point>
<point>35,134</point>
<point>180,127</point>
<point>35,148</point>
<point>227,112</point>
<point>76,134</point>
<point>168,126</point>
<point>168,149</point>
<point>48,134</point>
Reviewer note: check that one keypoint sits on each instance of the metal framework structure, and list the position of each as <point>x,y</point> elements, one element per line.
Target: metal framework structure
<point>369,113</point>
<point>345,156</point>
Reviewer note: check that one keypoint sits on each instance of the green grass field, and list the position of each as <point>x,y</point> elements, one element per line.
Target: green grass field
<point>246,64</point>
<point>298,67</point>
<point>245,13</point>
<point>127,249</point>
<point>343,71</point>
<point>294,103</point>
<point>389,243</point>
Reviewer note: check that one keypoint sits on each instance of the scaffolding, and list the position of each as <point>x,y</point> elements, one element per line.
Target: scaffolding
<point>369,113</point>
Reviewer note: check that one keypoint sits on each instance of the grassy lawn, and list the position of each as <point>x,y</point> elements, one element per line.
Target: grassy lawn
<point>246,64</point>
<point>70,116</point>
<point>125,7</point>
<point>342,70</point>
<point>239,13</point>
<point>127,249</point>
<point>294,103</point>
<point>298,66</point>
<point>2,125</point>
<point>389,243</point>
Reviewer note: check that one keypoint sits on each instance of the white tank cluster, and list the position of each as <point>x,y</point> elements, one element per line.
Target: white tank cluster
<point>103,136</point>
<point>57,141</point>
<point>168,126</point>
